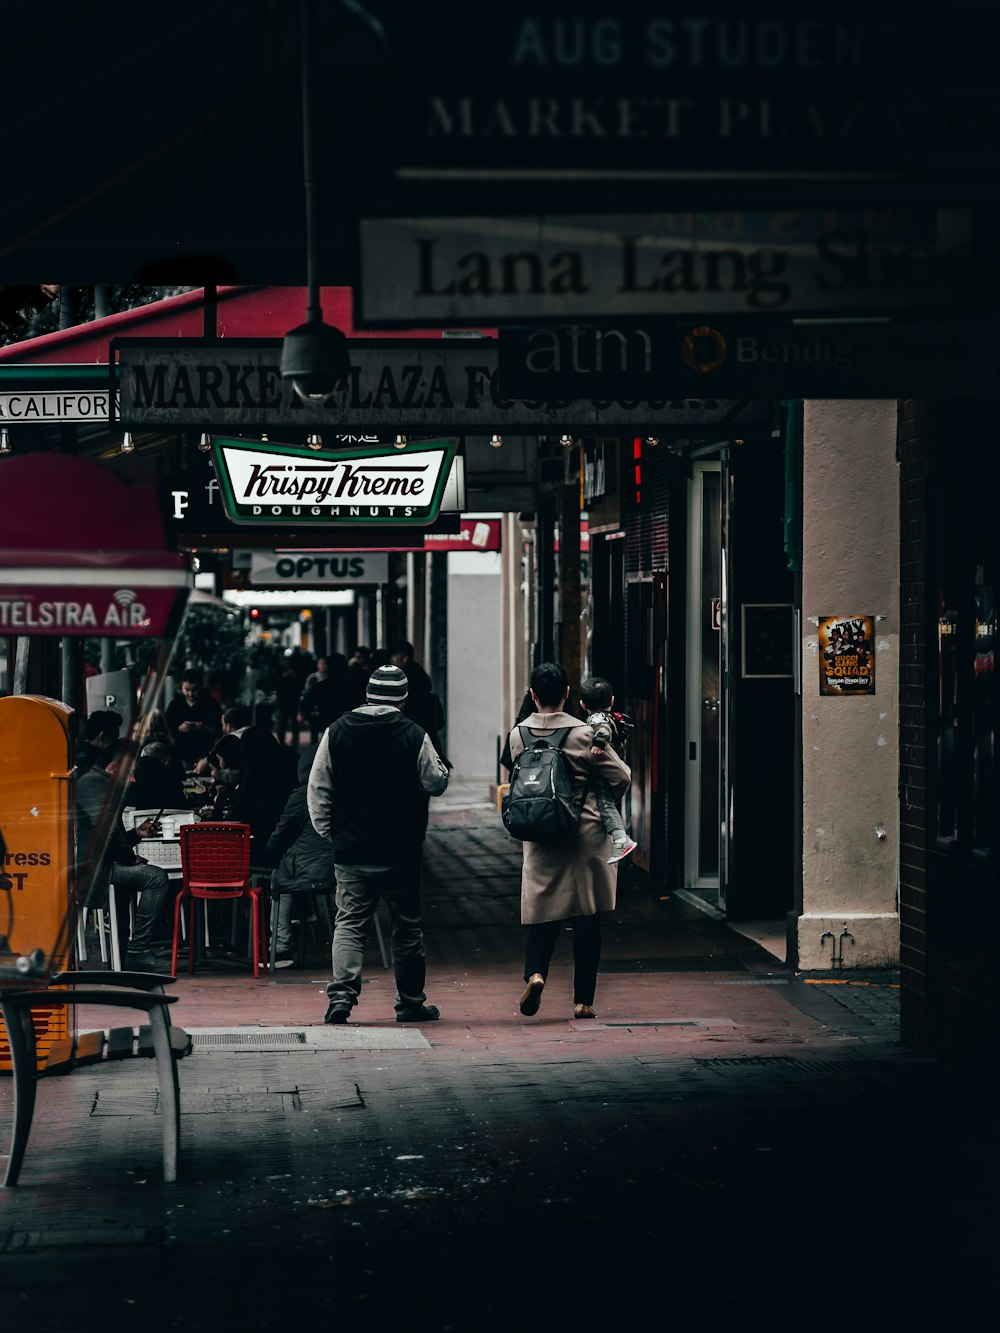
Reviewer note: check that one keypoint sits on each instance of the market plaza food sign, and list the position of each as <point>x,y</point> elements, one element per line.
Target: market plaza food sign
<point>286,485</point>
<point>394,386</point>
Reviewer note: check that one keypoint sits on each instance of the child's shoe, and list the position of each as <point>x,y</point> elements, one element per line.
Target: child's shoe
<point>619,850</point>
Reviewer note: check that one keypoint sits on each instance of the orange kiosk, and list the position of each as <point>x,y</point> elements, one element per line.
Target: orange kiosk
<point>36,880</point>
<point>83,554</point>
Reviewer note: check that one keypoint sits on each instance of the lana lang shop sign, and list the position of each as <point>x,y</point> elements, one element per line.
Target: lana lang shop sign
<point>287,485</point>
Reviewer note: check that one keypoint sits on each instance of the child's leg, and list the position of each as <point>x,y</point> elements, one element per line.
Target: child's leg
<point>608,810</point>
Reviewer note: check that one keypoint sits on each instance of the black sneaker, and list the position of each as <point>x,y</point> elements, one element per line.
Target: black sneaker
<point>336,1013</point>
<point>425,1013</point>
<point>284,960</point>
<point>141,962</point>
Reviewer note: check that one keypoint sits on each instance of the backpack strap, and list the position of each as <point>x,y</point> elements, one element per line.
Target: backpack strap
<point>557,740</point>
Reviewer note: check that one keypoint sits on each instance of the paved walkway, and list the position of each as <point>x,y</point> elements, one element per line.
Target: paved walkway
<point>726,1141</point>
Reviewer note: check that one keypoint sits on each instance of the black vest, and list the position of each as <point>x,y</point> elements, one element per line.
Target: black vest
<point>378,809</point>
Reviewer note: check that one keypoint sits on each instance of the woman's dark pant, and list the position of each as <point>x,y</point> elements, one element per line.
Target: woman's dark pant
<point>541,941</point>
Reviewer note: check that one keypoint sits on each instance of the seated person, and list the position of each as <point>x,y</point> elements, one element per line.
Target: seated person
<point>235,721</point>
<point>157,781</point>
<point>224,769</point>
<point>268,775</point>
<point>106,854</point>
<point>100,733</point>
<point>306,864</point>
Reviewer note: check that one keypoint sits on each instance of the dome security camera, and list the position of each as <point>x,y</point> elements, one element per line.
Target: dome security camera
<point>315,359</point>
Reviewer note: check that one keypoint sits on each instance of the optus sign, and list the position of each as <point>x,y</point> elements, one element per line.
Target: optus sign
<point>317,569</point>
<point>283,484</point>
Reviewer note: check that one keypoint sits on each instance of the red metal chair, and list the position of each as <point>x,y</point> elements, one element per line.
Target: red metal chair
<point>215,864</point>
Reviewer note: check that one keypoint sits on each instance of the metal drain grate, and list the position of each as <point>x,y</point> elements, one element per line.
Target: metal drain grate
<point>703,963</point>
<point>656,1023</point>
<point>82,1238</point>
<point>212,1042</point>
<point>254,1039</point>
<point>790,1062</point>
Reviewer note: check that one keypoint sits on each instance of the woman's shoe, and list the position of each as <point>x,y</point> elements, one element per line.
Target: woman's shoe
<point>532,997</point>
<point>583,1011</point>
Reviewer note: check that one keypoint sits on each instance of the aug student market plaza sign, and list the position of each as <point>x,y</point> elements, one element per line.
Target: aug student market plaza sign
<point>394,387</point>
<point>485,270</point>
<point>579,88</point>
<point>282,484</point>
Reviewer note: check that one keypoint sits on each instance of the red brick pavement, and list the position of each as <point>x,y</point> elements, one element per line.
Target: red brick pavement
<point>724,1143</point>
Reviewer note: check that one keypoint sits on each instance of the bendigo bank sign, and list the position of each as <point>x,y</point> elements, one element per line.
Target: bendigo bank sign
<point>284,484</point>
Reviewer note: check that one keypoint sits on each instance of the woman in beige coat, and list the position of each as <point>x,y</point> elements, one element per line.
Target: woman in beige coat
<point>567,883</point>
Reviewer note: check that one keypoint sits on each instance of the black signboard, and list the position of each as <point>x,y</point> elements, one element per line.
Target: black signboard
<point>792,359</point>
<point>586,89</point>
<point>394,385</point>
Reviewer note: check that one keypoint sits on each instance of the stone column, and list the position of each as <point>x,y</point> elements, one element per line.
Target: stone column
<point>850,762</point>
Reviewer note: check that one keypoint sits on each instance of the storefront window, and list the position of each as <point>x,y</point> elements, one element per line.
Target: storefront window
<point>983,713</point>
<point>948,715</point>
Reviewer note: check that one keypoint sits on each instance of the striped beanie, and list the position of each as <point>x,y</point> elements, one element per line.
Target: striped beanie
<point>387,685</point>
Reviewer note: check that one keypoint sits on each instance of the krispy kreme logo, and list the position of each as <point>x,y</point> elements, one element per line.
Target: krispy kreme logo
<point>286,484</point>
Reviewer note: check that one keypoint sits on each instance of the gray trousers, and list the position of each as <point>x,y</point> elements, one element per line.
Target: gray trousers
<point>358,896</point>
<point>607,808</point>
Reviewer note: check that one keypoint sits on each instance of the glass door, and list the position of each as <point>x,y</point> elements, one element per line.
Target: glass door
<point>704,703</point>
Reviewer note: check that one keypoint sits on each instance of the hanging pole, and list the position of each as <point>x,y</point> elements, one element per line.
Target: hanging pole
<point>314,312</point>
<point>314,356</point>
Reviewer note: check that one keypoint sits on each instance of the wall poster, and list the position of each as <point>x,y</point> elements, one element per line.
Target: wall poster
<point>846,655</point>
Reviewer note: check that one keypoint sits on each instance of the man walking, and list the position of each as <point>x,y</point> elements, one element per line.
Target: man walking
<point>368,793</point>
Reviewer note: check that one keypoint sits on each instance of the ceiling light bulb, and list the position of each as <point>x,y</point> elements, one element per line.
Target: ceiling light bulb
<point>496,441</point>
<point>4,440</point>
<point>314,441</point>
<point>566,441</point>
<point>205,443</point>
<point>401,441</point>
<point>128,444</point>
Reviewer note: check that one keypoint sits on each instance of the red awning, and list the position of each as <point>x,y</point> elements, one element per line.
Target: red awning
<point>242,312</point>
<point>83,552</point>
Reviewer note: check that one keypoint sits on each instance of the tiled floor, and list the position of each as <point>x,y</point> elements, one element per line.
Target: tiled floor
<point>721,1130</point>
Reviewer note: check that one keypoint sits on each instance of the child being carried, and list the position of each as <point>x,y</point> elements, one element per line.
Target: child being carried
<point>610,728</point>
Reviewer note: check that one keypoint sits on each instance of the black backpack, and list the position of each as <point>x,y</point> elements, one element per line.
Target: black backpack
<point>540,806</point>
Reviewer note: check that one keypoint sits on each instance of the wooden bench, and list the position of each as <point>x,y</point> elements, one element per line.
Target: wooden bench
<point>122,990</point>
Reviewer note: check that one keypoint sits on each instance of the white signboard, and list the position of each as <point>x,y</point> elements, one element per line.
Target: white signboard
<point>482,270</point>
<point>317,569</point>
<point>281,484</point>
<point>57,405</point>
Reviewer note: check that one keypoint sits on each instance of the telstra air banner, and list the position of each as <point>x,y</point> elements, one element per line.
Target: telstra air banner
<point>283,484</point>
